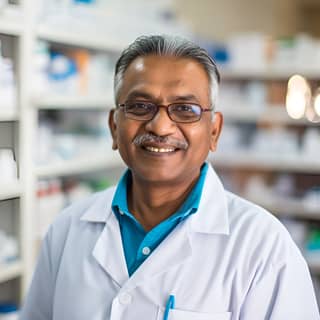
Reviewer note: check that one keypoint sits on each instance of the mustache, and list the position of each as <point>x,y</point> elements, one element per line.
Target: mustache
<point>141,139</point>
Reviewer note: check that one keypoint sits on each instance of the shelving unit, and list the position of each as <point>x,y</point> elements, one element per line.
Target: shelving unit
<point>11,21</point>
<point>9,117</point>
<point>314,265</point>
<point>269,114</point>
<point>279,162</point>
<point>20,23</point>
<point>10,191</point>
<point>100,102</point>
<point>74,38</point>
<point>288,207</point>
<point>268,73</point>
<point>12,271</point>
<point>79,165</point>
<point>12,26</point>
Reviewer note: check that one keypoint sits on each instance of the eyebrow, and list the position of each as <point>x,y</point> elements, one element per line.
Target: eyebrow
<point>144,95</point>
<point>139,94</point>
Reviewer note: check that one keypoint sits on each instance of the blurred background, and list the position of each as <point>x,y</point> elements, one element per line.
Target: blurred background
<point>56,66</point>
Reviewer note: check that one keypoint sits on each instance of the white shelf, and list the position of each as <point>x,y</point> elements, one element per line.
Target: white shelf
<point>76,38</point>
<point>104,102</point>
<point>11,21</point>
<point>9,116</point>
<point>10,271</point>
<point>92,162</point>
<point>10,190</point>
<point>287,207</point>
<point>256,160</point>
<point>270,73</point>
<point>269,114</point>
<point>313,262</point>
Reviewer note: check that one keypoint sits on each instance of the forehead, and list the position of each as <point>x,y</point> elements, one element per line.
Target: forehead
<point>165,75</point>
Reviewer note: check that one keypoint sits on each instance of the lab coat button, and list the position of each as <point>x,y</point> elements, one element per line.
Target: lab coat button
<point>125,298</point>
<point>146,251</point>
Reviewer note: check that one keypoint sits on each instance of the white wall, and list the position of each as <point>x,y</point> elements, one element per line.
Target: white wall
<point>217,19</point>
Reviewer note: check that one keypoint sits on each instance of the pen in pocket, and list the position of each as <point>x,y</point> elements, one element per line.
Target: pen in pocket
<point>169,305</point>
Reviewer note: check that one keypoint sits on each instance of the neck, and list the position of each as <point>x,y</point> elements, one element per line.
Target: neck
<point>152,202</point>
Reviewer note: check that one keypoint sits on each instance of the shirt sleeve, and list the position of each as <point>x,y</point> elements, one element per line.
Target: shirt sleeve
<point>284,291</point>
<point>38,303</point>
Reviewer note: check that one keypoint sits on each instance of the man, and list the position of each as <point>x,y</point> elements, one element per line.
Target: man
<point>168,242</point>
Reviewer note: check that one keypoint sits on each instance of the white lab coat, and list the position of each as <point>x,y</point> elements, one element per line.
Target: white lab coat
<point>230,260</point>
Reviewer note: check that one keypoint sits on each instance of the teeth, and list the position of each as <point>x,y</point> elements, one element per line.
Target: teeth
<point>153,149</point>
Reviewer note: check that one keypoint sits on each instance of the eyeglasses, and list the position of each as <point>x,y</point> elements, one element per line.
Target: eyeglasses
<point>177,112</point>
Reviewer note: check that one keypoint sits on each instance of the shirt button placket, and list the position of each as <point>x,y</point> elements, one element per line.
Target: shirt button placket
<point>146,251</point>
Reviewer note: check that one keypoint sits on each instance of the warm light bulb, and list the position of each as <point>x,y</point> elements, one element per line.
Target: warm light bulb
<point>296,104</point>
<point>317,104</point>
<point>297,82</point>
<point>298,96</point>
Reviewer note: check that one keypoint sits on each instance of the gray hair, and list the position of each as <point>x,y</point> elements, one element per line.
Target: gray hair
<point>163,45</point>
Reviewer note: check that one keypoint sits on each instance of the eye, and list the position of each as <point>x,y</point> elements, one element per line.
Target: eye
<point>187,109</point>
<point>184,108</point>
<point>139,108</point>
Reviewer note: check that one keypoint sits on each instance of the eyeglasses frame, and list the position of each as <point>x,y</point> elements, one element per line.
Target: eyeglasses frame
<point>158,106</point>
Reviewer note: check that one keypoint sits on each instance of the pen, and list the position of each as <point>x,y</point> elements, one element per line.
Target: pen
<point>169,305</point>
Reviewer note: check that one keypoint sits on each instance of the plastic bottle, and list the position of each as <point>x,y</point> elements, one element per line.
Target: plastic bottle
<point>41,60</point>
<point>7,85</point>
<point>8,166</point>
<point>8,311</point>
<point>8,248</point>
<point>42,207</point>
<point>57,198</point>
<point>51,200</point>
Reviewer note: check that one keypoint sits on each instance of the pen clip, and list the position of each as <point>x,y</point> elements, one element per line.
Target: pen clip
<point>170,305</point>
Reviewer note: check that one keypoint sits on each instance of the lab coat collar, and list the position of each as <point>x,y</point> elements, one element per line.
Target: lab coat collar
<point>212,216</point>
<point>100,209</point>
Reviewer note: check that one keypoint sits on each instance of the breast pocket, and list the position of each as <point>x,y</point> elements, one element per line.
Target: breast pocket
<point>176,314</point>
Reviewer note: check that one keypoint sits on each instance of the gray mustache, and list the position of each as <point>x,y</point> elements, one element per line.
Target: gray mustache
<point>151,138</point>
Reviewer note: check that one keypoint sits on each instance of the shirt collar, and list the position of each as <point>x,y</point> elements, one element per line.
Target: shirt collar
<point>190,205</point>
<point>119,201</point>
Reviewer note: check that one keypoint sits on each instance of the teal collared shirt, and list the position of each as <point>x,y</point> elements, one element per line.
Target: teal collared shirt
<point>137,243</point>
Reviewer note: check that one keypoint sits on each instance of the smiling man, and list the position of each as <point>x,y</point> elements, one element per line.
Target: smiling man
<point>168,242</point>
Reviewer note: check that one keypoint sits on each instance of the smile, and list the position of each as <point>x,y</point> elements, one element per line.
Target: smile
<point>159,150</point>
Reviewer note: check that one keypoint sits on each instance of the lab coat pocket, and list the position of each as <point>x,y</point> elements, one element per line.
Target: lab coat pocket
<point>176,314</point>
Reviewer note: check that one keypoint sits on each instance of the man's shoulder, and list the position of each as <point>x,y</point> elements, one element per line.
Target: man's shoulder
<point>258,227</point>
<point>241,209</point>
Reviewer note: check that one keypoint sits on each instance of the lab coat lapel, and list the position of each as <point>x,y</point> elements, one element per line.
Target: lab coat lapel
<point>108,250</point>
<point>212,216</point>
<point>109,253</point>
<point>173,251</point>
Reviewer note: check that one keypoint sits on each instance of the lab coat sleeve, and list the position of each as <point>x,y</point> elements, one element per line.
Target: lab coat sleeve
<point>284,291</point>
<point>38,303</point>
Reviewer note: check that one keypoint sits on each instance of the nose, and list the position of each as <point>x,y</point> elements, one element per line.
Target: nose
<point>161,124</point>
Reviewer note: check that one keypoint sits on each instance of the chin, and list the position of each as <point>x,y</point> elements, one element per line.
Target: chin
<point>156,176</point>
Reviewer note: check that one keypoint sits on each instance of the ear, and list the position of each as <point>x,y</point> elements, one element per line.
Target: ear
<point>113,127</point>
<point>216,126</point>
